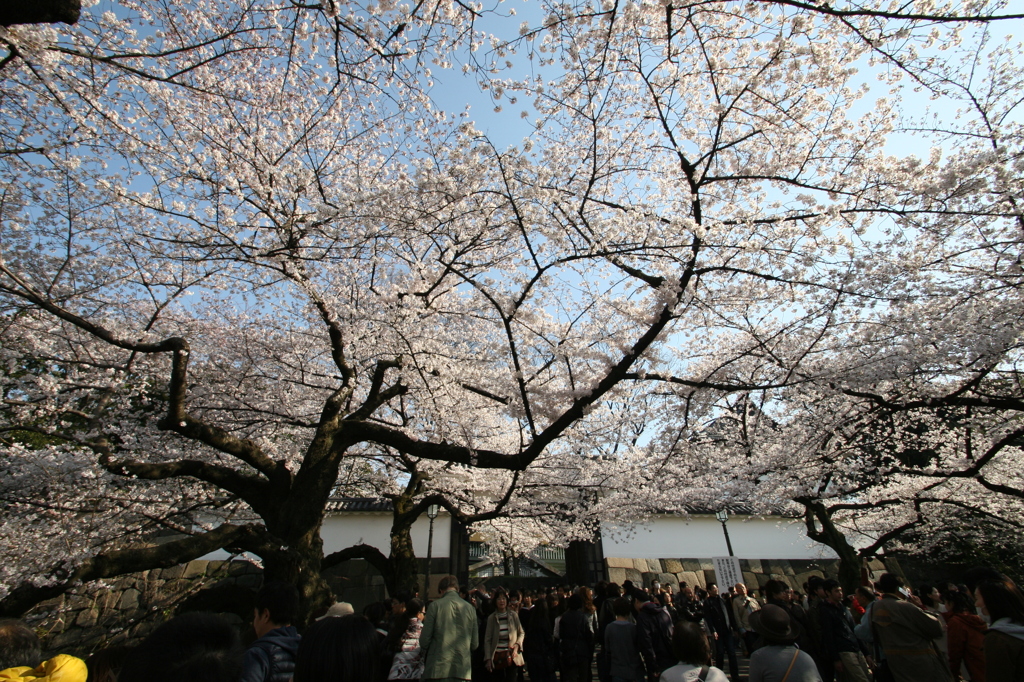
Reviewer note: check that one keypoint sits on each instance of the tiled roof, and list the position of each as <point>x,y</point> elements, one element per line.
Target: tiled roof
<point>359,504</point>
<point>376,504</point>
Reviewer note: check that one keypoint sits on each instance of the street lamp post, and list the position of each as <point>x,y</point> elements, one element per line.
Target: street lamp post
<point>723,516</point>
<point>432,511</point>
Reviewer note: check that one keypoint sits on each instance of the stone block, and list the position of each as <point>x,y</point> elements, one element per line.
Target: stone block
<point>152,591</point>
<point>801,578</point>
<point>876,565</point>
<point>754,566</point>
<point>691,565</point>
<point>617,575</point>
<point>709,577</point>
<point>640,565</point>
<point>92,637</point>
<point>619,562</point>
<point>122,583</point>
<point>174,587</point>
<point>108,600</point>
<point>87,618</point>
<point>67,640</point>
<point>129,600</point>
<point>749,579</point>
<point>173,572</point>
<point>243,568</point>
<point>648,578</point>
<point>673,565</point>
<point>762,580</point>
<point>634,575</point>
<point>707,565</point>
<point>668,579</point>
<point>195,569</point>
<point>693,579</point>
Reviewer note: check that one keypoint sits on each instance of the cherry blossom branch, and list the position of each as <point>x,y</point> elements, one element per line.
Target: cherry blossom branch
<point>178,421</point>
<point>829,10</point>
<point>25,291</point>
<point>497,511</point>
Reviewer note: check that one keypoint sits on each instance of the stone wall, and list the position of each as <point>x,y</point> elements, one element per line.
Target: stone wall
<point>756,572</point>
<point>125,609</point>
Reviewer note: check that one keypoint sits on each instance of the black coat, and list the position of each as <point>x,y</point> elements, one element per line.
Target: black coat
<point>271,658</point>
<point>718,615</point>
<point>654,638</point>
<point>575,637</point>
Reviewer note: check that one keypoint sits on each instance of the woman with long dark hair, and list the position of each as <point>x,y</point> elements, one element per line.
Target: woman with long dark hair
<point>345,649</point>
<point>966,636</point>
<point>1004,641</point>
<point>575,641</point>
<point>693,650</point>
<point>539,645</point>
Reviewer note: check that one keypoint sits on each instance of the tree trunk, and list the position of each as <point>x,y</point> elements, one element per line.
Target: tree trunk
<point>849,561</point>
<point>405,573</point>
<point>300,564</point>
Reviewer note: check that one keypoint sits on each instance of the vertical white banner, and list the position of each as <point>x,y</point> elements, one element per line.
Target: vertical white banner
<point>727,571</point>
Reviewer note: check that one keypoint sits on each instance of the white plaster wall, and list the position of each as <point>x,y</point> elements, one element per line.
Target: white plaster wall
<point>344,530</point>
<point>701,537</point>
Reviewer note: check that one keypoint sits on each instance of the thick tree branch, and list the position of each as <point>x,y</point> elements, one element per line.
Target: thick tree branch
<point>178,421</point>
<point>377,397</point>
<point>130,560</point>
<point>370,554</point>
<point>26,292</point>
<point>253,489</point>
<point>40,12</point>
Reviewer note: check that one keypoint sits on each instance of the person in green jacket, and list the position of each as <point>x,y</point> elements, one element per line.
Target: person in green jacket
<point>449,635</point>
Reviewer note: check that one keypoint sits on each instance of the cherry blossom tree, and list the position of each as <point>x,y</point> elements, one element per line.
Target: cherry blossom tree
<point>247,263</point>
<point>917,336</point>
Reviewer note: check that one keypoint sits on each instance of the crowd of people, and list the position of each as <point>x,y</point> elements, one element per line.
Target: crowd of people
<point>884,632</point>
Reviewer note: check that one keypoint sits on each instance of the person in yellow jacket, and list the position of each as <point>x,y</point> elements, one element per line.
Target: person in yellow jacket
<point>60,668</point>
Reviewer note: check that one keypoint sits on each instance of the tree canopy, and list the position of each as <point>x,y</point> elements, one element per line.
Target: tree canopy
<point>247,261</point>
